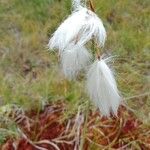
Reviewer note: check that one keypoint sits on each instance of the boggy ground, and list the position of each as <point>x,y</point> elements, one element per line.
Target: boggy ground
<point>47,131</point>
<point>30,78</point>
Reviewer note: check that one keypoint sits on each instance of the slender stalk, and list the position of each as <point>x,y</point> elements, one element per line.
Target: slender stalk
<point>95,49</point>
<point>88,102</point>
<point>36,120</point>
<point>91,5</point>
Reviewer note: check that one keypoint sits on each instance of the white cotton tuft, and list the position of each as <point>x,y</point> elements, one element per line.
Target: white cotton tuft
<point>80,27</point>
<point>102,88</point>
<point>73,59</point>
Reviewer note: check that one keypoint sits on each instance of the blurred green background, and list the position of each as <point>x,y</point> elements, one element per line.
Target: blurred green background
<point>30,74</point>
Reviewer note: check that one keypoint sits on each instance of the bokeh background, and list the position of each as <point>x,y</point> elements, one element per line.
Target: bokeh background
<point>30,75</point>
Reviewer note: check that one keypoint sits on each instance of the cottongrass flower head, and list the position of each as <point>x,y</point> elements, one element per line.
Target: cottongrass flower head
<point>71,39</point>
<point>102,87</point>
<point>73,59</point>
<point>80,27</point>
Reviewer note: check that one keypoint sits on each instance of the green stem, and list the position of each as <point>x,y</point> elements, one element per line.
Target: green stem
<point>88,102</point>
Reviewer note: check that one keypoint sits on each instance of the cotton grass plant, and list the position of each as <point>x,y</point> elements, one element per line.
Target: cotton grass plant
<point>71,39</point>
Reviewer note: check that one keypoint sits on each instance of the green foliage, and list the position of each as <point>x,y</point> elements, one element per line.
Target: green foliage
<point>8,133</point>
<point>29,74</point>
<point>8,128</point>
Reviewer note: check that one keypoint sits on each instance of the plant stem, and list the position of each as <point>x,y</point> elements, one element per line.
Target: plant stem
<point>88,102</point>
<point>91,5</point>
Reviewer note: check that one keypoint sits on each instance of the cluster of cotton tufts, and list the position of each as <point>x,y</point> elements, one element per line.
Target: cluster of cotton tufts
<point>80,27</point>
<point>102,87</point>
<point>70,39</point>
<point>73,59</point>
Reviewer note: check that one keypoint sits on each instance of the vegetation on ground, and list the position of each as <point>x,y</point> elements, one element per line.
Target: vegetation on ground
<point>31,81</point>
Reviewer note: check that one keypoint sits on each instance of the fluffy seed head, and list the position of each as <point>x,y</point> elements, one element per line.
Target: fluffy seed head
<point>73,59</point>
<point>80,27</point>
<point>102,87</point>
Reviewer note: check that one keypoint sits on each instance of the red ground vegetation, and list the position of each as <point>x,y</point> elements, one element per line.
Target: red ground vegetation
<point>48,131</point>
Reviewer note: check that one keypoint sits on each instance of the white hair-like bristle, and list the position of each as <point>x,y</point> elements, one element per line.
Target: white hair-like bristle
<point>73,59</point>
<point>80,27</point>
<point>102,87</point>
